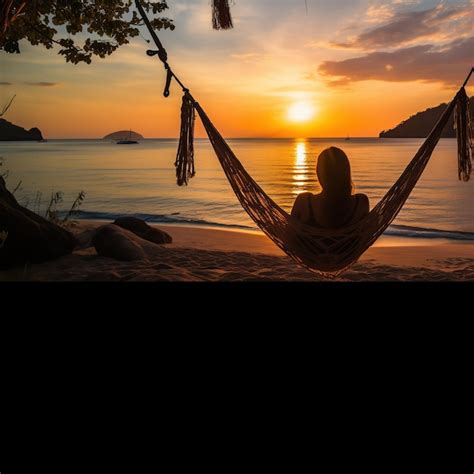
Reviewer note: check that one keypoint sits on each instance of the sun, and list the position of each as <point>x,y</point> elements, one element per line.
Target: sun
<point>301,112</point>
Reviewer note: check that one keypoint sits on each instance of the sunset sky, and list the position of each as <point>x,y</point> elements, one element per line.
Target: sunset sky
<point>346,67</point>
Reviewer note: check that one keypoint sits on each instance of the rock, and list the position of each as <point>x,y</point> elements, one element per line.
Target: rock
<point>31,238</point>
<point>84,239</point>
<point>124,134</point>
<point>12,132</point>
<point>420,124</point>
<point>112,241</point>
<point>142,229</point>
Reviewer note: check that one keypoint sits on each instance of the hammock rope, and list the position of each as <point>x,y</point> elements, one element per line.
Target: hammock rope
<point>326,251</point>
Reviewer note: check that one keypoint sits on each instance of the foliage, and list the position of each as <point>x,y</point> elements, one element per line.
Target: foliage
<point>17,187</point>
<point>51,211</point>
<point>3,237</point>
<point>102,25</point>
<point>77,202</point>
<point>37,203</point>
<point>5,173</point>
<point>4,109</point>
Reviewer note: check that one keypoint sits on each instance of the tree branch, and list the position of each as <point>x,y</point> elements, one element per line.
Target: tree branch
<point>7,106</point>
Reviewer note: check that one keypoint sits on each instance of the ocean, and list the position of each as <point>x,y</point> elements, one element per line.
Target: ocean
<point>140,180</point>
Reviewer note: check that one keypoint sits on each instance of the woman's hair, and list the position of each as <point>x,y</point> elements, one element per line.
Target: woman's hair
<point>334,173</point>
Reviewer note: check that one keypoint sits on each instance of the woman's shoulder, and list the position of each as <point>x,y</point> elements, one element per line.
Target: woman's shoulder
<point>304,196</point>
<point>300,204</point>
<point>362,201</point>
<point>362,197</point>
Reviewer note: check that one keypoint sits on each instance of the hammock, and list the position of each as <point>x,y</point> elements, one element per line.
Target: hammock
<point>326,251</point>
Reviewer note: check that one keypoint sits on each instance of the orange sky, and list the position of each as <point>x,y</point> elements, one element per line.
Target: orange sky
<point>361,66</point>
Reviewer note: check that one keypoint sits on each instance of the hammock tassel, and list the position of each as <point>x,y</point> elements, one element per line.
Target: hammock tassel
<point>463,125</point>
<point>221,17</point>
<point>185,157</point>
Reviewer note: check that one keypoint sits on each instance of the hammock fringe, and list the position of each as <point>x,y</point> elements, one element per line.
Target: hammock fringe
<point>463,126</point>
<point>221,17</point>
<point>185,156</point>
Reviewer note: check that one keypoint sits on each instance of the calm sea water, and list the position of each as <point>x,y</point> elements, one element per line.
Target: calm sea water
<point>139,180</point>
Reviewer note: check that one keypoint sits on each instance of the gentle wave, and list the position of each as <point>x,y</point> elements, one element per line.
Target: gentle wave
<point>154,219</point>
<point>394,230</point>
<point>425,233</point>
<point>141,181</point>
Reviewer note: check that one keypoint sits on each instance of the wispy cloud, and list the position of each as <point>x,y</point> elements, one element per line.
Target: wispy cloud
<point>427,63</point>
<point>5,83</point>
<point>247,56</point>
<point>43,84</point>
<point>379,13</point>
<point>440,23</point>
<point>430,45</point>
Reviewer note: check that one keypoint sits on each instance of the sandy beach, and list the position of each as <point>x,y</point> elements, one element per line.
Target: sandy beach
<point>208,254</point>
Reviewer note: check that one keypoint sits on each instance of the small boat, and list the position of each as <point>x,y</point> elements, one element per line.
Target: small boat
<point>127,141</point>
<point>348,137</point>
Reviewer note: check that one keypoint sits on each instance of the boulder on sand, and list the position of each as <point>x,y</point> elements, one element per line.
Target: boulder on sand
<point>142,229</point>
<point>112,241</point>
<point>28,237</point>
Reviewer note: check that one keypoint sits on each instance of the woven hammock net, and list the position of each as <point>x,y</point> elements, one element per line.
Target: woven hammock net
<point>332,251</point>
<point>326,251</point>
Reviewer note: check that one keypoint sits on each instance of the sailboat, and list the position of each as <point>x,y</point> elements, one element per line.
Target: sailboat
<point>129,141</point>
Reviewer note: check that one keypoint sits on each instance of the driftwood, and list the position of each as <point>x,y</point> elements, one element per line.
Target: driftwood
<point>28,237</point>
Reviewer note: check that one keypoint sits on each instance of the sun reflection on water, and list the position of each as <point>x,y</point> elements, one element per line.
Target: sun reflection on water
<point>300,151</point>
<point>300,167</point>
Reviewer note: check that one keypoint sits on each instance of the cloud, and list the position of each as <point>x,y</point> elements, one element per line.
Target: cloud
<point>42,84</point>
<point>427,63</point>
<point>379,13</point>
<point>440,23</point>
<point>247,56</point>
<point>5,83</point>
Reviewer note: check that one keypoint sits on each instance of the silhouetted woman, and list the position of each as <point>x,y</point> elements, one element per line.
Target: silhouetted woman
<point>335,206</point>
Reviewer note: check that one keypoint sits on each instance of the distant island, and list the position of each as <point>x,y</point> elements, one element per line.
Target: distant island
<point>420,124</point>
<point>12,132</point>
<point>124,134</point>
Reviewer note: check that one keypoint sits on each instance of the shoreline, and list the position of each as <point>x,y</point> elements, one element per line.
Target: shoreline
<point>382,241</point>
<point>203,254</point>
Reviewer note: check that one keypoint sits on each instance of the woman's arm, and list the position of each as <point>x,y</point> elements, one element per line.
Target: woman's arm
<point>298,210</point>
<point>364,205</point>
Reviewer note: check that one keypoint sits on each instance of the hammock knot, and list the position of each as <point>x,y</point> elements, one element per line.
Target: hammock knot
<point>161,53</point>
<point>169,76</point>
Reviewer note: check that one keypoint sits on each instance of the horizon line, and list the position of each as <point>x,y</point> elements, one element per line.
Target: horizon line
<point>344,137</point>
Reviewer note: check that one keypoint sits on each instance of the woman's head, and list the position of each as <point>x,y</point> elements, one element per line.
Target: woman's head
<point>334,173</point>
